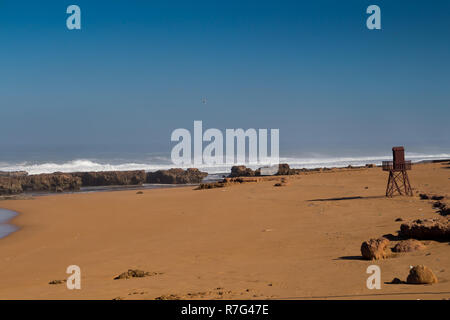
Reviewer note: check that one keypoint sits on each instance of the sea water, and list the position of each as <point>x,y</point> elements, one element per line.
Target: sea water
<point>160,163</point>
<point>5,216</point>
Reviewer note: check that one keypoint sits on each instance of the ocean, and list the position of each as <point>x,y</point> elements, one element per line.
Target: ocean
<point>156,162</point>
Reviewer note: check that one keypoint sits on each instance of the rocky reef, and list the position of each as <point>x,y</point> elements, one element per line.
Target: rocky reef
<point>241,171</point>
<point>14,174</point>
<point>53,182</point>
<point>283,170</point>
<point>111,178</point>
<point>12,183</point>
<point>9,186</point>
<point>176,176</point>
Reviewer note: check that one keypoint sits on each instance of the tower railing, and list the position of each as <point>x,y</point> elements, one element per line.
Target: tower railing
<point>396,166</point>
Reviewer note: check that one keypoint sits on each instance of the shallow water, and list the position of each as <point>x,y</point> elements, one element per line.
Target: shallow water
<point>5,216</point>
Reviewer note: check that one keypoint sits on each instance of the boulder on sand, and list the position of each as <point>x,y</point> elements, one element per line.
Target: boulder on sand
<point>176,176</point>
<point>421,275</point>
<point>408,246</point>
<point>375,249</point>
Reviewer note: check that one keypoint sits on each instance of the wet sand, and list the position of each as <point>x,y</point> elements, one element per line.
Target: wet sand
<point>5,228</point>
<point>247,241</point>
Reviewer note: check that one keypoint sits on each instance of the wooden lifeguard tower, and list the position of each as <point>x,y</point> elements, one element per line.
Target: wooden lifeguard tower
<point>398,177</point>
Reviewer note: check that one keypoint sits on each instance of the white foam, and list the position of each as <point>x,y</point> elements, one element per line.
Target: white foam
<point>80,165</point>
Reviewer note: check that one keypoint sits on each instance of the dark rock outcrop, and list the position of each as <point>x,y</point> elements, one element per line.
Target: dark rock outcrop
<point>51,182</point>
<point>16,183</point>
<point>426,229</point>
<point>241,171</point>
<point>284,169</point>
<point>9,186</point>
<point>442,208</point>
<point>111,178</point>
<point>176,176</point>
<point>445,211</point>
<point>54,182</point>
<point>438,205</point>
<point>213,185</point>
<point>13,174</point>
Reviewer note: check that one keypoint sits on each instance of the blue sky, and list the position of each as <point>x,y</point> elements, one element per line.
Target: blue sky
<point>139,69</point>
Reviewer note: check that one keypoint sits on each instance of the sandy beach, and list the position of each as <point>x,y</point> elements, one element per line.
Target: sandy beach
<point>246,241</point>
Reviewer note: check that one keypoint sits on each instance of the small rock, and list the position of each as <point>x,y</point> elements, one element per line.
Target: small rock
<point>421,275</point>
<point>168,297</point>
<point>399,219</point>
<point>423,196</point>
<point>278,185</point>
<point>135,273</point>
<point>396,281</point>
<point>439,205</point>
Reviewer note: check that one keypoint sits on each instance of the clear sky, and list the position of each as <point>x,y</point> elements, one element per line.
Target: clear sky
<point>139,69</point>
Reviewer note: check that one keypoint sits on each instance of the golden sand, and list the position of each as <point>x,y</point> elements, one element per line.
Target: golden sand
<point>246,241</point>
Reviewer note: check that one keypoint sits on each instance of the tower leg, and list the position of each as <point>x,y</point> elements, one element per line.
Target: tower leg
<point>407,185</point>
<point>398,182</point>
<point>396,177</point>
<point>389,187</point>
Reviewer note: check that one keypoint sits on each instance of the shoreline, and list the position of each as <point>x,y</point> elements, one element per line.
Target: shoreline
<point>274,242</point>
<point>96,181</point>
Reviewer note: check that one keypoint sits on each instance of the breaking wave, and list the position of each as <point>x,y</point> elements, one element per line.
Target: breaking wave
<point>164,163</point>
